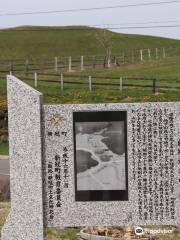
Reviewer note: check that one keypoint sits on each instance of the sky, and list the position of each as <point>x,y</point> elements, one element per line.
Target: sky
<point>132,15</point>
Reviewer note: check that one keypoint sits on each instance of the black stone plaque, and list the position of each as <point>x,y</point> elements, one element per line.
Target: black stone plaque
<point>100,156</point>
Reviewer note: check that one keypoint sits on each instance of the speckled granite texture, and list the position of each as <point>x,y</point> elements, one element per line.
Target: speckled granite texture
<point>73,213</point>
<point>25,221</point>
<point>41,140</point>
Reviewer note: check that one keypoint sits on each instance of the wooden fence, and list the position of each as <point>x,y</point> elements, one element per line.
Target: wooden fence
<point>80,63</point>
<point>91,82</point>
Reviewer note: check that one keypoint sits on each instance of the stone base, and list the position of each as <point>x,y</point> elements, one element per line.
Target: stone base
<point>17,229</point>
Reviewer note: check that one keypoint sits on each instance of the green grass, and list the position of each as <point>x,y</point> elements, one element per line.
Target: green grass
<point>32,44</point>
<point>4,148</point>
<point>79,94</point>
<point>168,68</point>
<point>74,93</point>
<point>49,43</point>
<point>66,234</point>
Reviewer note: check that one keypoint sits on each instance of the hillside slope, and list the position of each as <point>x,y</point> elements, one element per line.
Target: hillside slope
<point>26,42</point>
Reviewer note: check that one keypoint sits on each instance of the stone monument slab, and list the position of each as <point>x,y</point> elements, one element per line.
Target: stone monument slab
<point>26,219</point>
<point>112,164</point>
<point>90,164</point>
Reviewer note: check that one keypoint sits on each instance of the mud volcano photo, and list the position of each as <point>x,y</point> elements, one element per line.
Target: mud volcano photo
<point>100,155</point>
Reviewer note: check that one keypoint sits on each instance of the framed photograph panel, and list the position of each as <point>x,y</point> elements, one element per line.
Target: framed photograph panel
<point>100,156</point>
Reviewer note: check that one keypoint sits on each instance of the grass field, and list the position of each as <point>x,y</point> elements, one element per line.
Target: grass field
<point>50,42</point>
<point>167,73</point>
<point>4,148</point>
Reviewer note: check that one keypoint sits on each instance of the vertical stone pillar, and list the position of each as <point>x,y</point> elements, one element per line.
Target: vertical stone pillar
<point>25,221</point>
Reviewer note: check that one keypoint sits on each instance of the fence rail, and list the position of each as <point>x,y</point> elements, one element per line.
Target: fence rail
<point>70,63</point>
<point>118,82</point>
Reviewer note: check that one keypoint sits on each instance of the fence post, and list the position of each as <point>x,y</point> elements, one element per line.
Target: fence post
<point>35,79</point>
<point>132,56</point>
<point>141,54</point>
<point>149,53</point>
<point>157,53</point>
<point>121,84</point>
<point>62,82</point>
<point>115,62</point>
<point>164,53</point>
<point>82,63</point>
<point>123,57</point>
<point>56,64</point>
<point>11,67</point>
<point>94,62</point>
<point>154,86</point>
<point>104,62</point>
<point>70,64</point>
<point>90,83</point>
<point>109,61</point>
<point>27,66</point>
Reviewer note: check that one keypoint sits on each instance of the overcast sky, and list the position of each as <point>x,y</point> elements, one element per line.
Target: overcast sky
<point>166,12</point>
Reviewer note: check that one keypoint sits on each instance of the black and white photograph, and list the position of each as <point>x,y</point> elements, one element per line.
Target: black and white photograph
<point>100,153</point>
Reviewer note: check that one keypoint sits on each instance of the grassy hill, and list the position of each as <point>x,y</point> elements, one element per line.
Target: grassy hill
<point>28,41</point>
<point>38,42</point>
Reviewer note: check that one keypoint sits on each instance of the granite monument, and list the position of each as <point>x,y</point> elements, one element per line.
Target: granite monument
<point>90,164</point>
